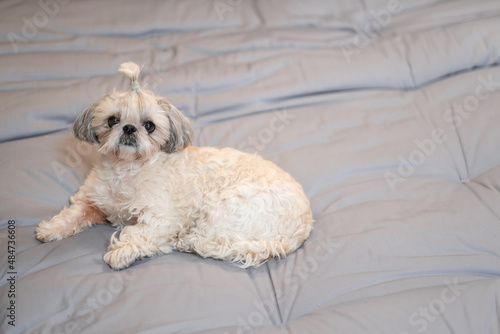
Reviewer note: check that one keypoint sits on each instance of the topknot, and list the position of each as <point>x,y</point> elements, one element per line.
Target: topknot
<point>131,70</point>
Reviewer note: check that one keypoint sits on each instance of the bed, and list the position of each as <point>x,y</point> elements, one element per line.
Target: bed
<point>386,112</point>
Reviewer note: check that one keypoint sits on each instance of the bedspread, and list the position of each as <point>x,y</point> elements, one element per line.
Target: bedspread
<point>387,113</point>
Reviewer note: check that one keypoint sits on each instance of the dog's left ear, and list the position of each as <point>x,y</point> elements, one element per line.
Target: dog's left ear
<point>181,133</point>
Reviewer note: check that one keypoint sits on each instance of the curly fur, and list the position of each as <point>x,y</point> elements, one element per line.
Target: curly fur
<point>166,195</point>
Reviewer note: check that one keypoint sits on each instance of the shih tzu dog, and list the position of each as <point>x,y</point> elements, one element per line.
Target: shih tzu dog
<point>166,195</point>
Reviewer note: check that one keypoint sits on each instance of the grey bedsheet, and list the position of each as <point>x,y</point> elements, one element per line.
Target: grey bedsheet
<point>387,112</point>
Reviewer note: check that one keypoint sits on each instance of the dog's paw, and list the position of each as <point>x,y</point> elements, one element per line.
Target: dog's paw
<point>49,231</point>
<point>119,257</point>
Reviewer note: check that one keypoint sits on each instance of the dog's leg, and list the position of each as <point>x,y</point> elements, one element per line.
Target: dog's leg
<point>134,243</point>
<point>69,221</point>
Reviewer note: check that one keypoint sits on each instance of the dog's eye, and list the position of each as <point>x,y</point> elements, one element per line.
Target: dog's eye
<point>149,126</point>
<point>113,121</point>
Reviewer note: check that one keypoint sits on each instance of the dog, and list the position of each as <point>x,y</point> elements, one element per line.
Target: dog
<point>164,194</point>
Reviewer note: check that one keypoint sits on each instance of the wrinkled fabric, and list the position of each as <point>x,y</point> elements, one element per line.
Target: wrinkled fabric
<point>387,113</point>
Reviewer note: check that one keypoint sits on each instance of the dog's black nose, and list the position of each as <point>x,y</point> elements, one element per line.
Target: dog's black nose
<point>129,129</point>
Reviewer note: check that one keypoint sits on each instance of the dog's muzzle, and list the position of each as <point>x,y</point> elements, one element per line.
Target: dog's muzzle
<point>129,137</point>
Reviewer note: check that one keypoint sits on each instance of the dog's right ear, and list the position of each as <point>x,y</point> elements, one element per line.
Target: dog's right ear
<point>82,127</point>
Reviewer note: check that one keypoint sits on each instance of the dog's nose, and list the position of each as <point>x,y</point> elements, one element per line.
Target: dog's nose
<point>129,129</point>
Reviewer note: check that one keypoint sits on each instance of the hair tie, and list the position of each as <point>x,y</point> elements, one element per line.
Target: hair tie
<point>134,85</point>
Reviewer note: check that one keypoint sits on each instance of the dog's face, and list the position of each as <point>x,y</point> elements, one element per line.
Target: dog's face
<point>133,125</point>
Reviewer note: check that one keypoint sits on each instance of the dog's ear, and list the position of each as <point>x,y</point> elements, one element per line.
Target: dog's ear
<point>82,127</point>
<point>181,133</point>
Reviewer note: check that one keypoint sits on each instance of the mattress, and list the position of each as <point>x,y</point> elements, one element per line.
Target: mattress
<point>386,112</point>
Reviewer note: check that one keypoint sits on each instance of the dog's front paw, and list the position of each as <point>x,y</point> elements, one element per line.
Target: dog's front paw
<point>49,231</point>
<point>120,258</point>
<point>120,255</point>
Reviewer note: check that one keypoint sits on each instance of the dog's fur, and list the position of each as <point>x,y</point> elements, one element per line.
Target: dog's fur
<point>165,194</point>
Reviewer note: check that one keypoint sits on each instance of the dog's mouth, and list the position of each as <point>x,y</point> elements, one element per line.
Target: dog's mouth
<point>128,141</point>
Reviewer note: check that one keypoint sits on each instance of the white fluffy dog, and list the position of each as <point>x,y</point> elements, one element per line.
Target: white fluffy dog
<point>164,194</point>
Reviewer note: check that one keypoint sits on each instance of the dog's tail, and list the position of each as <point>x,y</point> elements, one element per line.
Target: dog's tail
<point>255,253</point>
<point>242,252</point>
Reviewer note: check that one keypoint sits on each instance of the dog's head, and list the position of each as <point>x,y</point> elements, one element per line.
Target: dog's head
<point>133,125</point>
